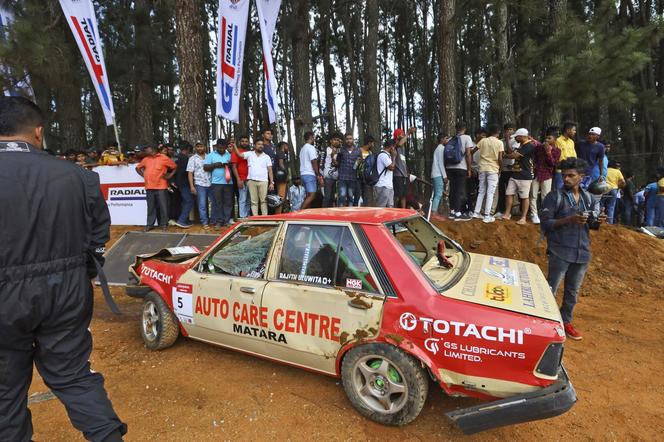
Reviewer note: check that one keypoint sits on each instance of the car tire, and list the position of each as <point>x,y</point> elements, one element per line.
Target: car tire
<point>137,291</point>
<point>159,326</point>
<point>384,383</point>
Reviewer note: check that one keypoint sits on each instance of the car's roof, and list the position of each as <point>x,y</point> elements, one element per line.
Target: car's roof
<point>360,215</point>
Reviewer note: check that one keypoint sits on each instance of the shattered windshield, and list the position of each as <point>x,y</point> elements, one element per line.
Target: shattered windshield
<point>245,252</point>
<point>440,258</point>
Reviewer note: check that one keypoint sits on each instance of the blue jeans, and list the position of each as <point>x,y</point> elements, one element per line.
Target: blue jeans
<point>204,194</point>
<point>573,274</point>
<point>609,201</point>
<point>346,189</point>
<point>243,201</point>
<point>659,209</point>
<point>438,191</point>
<point>187,203</point>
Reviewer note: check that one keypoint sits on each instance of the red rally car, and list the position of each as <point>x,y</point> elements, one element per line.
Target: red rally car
<point>378,297</point>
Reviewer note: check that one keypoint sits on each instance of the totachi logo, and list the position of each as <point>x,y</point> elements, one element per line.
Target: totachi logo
<point>408,321</point>
<point>156,275</point>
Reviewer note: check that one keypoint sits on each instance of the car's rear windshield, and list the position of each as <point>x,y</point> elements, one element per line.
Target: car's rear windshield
<point>422,241</point>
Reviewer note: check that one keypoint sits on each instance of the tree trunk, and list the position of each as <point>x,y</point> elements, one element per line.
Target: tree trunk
<point>189,52</point>
<point>502,104</point>
<point>300,85</point>
<point>372,100</point>
<point>558,19</point>
<point>328,69</point>
<point>446,43</point>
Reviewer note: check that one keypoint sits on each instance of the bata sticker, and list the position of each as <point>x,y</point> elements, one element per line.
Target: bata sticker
<point>410,322</point>
<point>498,293</point>
<point>182,303</point>
<point>261,322</point>
<point>354,283</point>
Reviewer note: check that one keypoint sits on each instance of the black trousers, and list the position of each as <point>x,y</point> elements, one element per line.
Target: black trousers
<point>45,320</point>
<point>157,207</point>
<point>223,195</point>
<point>457,180</point>
<point>502,187</point>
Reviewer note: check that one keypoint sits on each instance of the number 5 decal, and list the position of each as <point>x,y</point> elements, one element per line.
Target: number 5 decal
<point>182,303</point>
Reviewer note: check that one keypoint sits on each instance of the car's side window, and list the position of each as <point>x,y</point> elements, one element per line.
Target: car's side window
<point>324,255</point>
<point>309,254</point>
<point>244,253</point>
<point>352,272</point>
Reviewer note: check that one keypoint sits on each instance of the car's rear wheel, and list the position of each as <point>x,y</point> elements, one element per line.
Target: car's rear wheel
<point>159,326</point>
<point>384,383</point>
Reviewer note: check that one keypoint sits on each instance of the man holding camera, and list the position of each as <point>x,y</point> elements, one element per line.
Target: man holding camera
<point>566,219</point>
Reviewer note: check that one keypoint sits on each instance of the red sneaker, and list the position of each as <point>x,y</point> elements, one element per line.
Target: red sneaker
<point>572,333</point>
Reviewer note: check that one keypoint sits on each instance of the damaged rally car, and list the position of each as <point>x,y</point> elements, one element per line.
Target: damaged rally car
<point>378,297</point>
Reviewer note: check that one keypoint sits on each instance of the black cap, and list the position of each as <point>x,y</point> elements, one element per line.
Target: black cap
<point>221,141</point>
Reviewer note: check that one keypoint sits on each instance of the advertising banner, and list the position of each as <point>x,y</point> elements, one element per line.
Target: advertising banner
<point>268,11</point>
<point>124,191</point>
<point>233,15</point>
<point>80,15</point>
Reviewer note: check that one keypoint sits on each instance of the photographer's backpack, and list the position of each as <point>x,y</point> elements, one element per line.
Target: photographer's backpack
<point>454,152</point>
<point>370,173</point>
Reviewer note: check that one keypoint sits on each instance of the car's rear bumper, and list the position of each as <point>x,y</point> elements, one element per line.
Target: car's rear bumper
<point>550,401</point>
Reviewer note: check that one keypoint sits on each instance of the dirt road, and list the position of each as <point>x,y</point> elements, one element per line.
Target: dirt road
<point>194,391</point>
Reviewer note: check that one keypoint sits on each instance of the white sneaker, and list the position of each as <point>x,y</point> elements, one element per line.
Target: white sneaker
<point>489,219</point>
<point>477,215</point>
<point>535,219</point>
<point>498,215</point>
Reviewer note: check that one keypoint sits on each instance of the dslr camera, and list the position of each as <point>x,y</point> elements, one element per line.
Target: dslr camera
<point>593,219</point>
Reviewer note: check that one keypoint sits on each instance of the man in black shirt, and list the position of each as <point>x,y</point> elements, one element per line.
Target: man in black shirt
<point>52,239</point>
<point>181,181</point>
<point>522,175</point>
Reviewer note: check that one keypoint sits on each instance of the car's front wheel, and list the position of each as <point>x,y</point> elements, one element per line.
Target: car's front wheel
<point>159,326</point>
<point>384,383</point>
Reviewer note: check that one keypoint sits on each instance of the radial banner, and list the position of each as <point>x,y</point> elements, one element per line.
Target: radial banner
<point>268,11</point>
<point>233,15</point>
<point>80,15</point>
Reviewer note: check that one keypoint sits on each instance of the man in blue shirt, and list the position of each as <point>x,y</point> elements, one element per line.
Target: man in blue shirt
<point>218,163</point>
<point>346,162</point>
<point>564,222</point>
<point>592,152</point>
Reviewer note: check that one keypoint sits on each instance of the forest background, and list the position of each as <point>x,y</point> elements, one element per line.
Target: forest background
<point>364,67</point>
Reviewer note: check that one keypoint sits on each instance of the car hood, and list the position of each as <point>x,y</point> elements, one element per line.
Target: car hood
<point>506,284</point>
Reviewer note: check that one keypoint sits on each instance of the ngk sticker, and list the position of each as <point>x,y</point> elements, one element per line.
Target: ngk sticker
<point>410,322</point>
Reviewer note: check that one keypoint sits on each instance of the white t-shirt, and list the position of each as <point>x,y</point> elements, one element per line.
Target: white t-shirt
<point>258,165</point>
<point>384,159</point>
<point>328,162</point>
<point>308,153</point>
<point>438,167</point>
<point>466,143</point>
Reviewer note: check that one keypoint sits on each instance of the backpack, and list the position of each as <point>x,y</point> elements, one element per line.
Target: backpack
<point>454,152</point>
<point>369,166</point>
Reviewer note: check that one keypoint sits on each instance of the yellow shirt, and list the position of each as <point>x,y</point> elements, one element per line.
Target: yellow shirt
<point>660,184</point>
<point>490,148</point>
<point>613,177</point>
<point>108,158</point>
<point>566,146</point>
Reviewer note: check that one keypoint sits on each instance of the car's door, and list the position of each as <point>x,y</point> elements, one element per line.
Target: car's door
<point>219,300</point>
<point>321,295</point>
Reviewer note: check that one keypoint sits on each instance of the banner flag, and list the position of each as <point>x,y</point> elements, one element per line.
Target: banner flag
<point>19,86</point>
<point>268,11</point>
<point>233,15</point>
<point>80,15</point>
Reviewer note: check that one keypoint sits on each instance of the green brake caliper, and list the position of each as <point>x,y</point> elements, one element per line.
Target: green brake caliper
<point>392,373</point>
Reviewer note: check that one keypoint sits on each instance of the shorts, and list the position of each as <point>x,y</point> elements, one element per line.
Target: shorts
<point>520,187</point>
<point>310,184</point>
<point>400,186</point>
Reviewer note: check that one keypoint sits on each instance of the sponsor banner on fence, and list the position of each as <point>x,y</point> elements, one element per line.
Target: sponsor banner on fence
<point>233,15</point>
<point>80,15</point>
<point>124,191</point>
<point>268,11</point>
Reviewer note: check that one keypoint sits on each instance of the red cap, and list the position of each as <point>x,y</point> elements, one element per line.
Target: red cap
<point>397,133</point>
